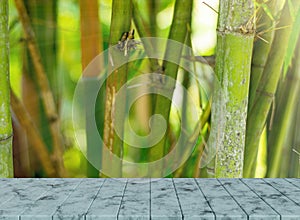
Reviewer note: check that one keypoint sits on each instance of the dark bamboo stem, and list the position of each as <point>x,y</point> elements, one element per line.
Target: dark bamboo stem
<point>33,135</point>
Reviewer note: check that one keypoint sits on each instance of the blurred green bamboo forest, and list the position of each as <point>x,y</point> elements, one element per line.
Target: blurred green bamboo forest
<point>243,84</point>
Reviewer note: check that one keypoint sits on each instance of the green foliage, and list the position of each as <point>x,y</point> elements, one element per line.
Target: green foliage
<point>159,18</point>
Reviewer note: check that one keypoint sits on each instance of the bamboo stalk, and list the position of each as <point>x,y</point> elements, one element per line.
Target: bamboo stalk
<point>266,89</point>
<point>46,94</point>
<point>31,101</point>
<point>120,23</point>
<point>46,43</point>
<point>91,46</point>
<point>191,166</point>
<point>147,30</point>
<point>143,30</point>
<point>152,9</point>
<point>22,168</point>
<point>236,29</point>
<point>181,18</point>
<point>46,38</point>
<point>33,135</point>
<point>279,140</point>
<point>90,29</point>
<point>6,162</point>
<point>294,169</point>
<point>261,47</point>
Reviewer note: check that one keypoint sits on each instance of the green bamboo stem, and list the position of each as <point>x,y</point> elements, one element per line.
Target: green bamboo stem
<point>294,169</point>
<point>152,8</point>
<point>184,113</point>
<point>191,167</point>
<point>265,35</point>
<point>279,140</point>
<point>120,23</point>
<point>147,30</point>
<point>143,30</point>
<point>262,46</point>
<point>266,89</point>
<point>6,160</point>
<point>181,19</point>
<point>235,38</point>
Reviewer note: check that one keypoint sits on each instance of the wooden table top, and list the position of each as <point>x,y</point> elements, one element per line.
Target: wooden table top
<point>149,199</point>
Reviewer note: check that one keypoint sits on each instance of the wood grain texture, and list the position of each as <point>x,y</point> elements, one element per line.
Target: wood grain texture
<point>94,199</point>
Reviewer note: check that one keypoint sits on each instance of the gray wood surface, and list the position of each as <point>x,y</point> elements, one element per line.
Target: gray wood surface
<point>164,202</point>
<point>252,204</point>
<point>222,203</point>
<point>287,208</point>
<point>93,199</point>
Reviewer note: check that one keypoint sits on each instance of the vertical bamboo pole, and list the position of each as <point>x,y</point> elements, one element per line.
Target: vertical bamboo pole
<point>120,23</point>
<point>279,140</point>
<point>235,31</point>
<point>181,18</point>
<point>294,169</point>
<point>6,162</point>
<point>266,24</point>
<point>266,89</point>
<point>91,46</point>
<point>262,46</point>
<point>41,13</point>
<point>34,138</point>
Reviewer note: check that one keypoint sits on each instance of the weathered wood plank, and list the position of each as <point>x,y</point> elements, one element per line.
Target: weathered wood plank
<point>283,205</point>
<point>136,200</point>
<point>141,199</point>
<point>286,188</point>
<point>4,182</point>
<point>78,203</point>
<point>12,187</point>
<point>164,202</point>
<point>294,181</point>
<point>222,204</point>
<point>252,204</point>
<point>107,203</point>
<point>24,198</point>
<point>46,205</point>
<point>192,201</point>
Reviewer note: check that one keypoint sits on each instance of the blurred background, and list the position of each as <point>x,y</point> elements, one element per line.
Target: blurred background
<point>70,33</point>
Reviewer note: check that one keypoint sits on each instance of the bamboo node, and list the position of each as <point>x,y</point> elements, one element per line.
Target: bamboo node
<point>53,118</point>
<point>268,94</point>
<point>258,66</point>
<point>6,137</point>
